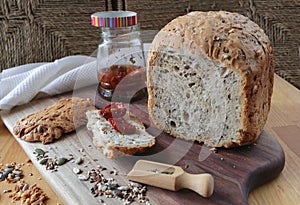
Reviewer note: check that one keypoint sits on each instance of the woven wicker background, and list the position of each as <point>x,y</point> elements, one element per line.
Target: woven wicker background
<point>44,30</point>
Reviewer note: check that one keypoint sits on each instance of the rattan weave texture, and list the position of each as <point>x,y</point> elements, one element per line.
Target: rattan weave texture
<point>44,30</point>
<point>279,18</point>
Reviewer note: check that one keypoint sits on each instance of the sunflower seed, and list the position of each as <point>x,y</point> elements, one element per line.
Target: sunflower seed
<point>79,160</point>
<point>17,172</point>
<point>82,177</point>
<point>76,170</point>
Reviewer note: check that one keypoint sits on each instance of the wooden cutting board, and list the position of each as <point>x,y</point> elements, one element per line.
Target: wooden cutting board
<point>236,171</point>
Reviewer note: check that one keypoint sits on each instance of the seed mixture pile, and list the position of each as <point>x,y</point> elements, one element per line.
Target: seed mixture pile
<point>103,184</point>
<point>23,192</point>
<point>28,194</point>
<point>11,173</point>
<point>109,188</point>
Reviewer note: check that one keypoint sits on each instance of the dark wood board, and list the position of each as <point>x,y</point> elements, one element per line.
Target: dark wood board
<point>236,171</point>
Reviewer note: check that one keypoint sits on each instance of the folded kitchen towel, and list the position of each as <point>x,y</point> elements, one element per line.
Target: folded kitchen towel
<point>21,84</point>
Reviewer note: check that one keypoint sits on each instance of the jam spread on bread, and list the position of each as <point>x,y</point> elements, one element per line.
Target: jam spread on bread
<point>114,113</point>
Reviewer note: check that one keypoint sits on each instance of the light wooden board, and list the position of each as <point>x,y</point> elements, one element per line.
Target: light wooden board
<point>240,171</point>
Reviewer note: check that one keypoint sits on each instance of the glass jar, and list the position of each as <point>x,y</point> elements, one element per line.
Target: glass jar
<point>120,58</point>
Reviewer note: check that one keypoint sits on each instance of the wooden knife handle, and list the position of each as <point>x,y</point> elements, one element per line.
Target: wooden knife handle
<point>203,184</point>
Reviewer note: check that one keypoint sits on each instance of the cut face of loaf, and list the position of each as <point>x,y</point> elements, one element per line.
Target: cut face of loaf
<point>194,97</point>
<point>206,80</point>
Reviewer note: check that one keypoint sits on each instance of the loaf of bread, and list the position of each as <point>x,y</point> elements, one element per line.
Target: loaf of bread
<point>114,144</point>
<point>210,78</point>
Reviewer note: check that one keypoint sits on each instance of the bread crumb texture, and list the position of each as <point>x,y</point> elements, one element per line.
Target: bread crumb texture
<point>210,78</point>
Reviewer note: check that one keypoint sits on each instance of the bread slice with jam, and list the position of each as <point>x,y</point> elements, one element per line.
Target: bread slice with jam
<point>112,142</point>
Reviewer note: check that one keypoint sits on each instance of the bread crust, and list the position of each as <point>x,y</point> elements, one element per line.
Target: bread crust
<point>236,42</point>
<point>50,123</point>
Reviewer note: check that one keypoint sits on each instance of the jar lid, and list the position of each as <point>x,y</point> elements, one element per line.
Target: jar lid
<point>114,19</point>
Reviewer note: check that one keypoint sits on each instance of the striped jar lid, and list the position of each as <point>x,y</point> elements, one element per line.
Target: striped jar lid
<point>114,19</point>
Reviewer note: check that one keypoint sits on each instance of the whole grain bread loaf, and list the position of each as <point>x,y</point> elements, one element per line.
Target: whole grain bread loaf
<point>210,78</point>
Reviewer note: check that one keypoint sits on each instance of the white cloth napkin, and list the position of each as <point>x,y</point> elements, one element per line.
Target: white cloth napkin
<point>21,84</point>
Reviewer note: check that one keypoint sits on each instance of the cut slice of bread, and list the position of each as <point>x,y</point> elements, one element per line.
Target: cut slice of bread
<point>113,143</point>
<point>210,78</point>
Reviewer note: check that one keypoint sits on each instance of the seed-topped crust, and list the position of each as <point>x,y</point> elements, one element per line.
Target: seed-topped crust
<point>50,123</point>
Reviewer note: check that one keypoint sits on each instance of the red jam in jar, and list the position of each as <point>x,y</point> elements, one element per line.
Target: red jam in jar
<point>122,83</point>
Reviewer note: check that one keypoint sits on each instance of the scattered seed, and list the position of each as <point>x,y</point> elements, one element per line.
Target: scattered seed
<point>9,166</point>
<point>123,188</point>
<point>83,177</point>
<point>16,178</point>
<point>77,170</point>
<point>231,30</point>
<point>43,161</point>
<point>61,161</point>
<point>71,159</point>
<point>79,160</point>
<point>17,172</point>
<point>6,173</point>
<point>214,150</point>
<point>114,172</point>
<point>51,164</point>
<point>25,187</point>
<point>134,184</point>
<point>109,187</point>
<point>39,151</point>
<point>7,191</point>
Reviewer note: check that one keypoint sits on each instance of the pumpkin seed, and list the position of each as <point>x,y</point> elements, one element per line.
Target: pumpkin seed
<point>44,161</point>
<point>61,161</point>
<point>39,151</point>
